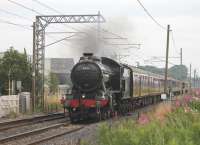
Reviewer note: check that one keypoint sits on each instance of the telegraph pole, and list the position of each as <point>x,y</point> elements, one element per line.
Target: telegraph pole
<point>33,73</point>
<point>181,56</point>
<point>167,57</point>
<point>194,78</point>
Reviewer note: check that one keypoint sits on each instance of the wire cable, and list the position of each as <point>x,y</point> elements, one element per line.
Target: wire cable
<point>54,10</point>
<point>25,7</point>
<point>147,12</point>
<point>46,6</point>
<point>57,41</point>
<point>174,43</point>
<point>15,24</point>
<point>58,12</point>
<point>14,14</point>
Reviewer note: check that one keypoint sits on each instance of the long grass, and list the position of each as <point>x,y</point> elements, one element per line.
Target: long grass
<point>53,104</point>
<point>178,128</point>
<point>166,125</point>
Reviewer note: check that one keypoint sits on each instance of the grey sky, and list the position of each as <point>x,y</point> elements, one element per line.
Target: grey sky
<point>124,17</point>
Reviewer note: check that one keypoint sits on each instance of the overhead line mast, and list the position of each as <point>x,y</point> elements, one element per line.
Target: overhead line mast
<point>41,23</point>
<point>166,63</point>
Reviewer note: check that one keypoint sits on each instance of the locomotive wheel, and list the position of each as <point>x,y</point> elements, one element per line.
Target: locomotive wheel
<point>73,120</point>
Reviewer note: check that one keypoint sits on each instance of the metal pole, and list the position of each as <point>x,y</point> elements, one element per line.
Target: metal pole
<point>12,87</point>
<point>33,73</point>
<point>181,56</point>
<point>190,77</point>
<point>167,57</point>
<point>194,78</point>
<point>9,84</point>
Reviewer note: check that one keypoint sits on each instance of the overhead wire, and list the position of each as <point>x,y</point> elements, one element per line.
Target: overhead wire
<point>15,24</point>
<point>57,41</point>
<point>158,24</point>
<point>174,43</point>
<point>148,13</point>
<point>14,14</point>
<point>44,5</point>
<point>58,12</point>
<point>27,8</point>
<point>161,60</point>
<point>55,10</point>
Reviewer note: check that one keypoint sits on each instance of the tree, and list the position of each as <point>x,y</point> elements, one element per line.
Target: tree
<point>53,83</point>
<point>178,72</point>
<point>15,66</point>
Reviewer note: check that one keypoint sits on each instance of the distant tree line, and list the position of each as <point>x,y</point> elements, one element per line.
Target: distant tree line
<point>16,67</point>
<point>178,72</point>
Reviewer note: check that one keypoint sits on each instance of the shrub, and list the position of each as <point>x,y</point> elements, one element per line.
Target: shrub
<point>12,114</point>
<point>195,106</point>
<point>178,128</point>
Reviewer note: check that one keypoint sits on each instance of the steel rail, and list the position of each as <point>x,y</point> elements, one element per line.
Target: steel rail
<point>29,121</point>
<point>55,136</point>
<point>32,132</point>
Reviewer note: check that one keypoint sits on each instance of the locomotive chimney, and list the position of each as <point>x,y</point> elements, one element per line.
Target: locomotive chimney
<point>87,54</point>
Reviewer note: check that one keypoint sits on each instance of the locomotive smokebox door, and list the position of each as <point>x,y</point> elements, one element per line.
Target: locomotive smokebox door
<point>86,76</point>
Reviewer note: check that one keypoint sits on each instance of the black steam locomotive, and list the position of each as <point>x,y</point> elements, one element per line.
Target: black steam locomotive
<point>102,87</point>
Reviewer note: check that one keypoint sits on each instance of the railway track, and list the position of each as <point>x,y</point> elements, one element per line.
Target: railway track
<point>29,121</point>
<point>55,136</point>
<point>34,137</point>
<point>32,132</point>
<point>52,133</point>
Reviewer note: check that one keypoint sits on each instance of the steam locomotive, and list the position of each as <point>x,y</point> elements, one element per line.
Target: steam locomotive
<point>103,87</point>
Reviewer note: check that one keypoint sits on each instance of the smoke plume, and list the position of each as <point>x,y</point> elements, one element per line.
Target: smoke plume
<point>102,42</point>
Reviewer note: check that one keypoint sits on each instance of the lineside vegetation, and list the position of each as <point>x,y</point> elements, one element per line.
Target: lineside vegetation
<point>177,124</point>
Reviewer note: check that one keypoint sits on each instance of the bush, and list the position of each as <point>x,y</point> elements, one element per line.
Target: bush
<point>195,106</point>
<point>178,128</point>
<point>12,114</point>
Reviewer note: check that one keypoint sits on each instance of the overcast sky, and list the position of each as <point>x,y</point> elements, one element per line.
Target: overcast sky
<point>123,17</point>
